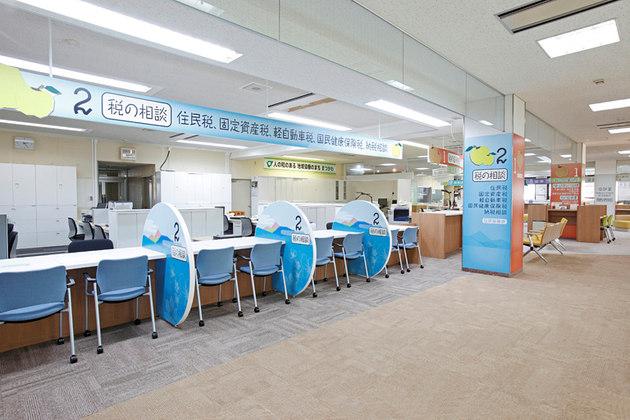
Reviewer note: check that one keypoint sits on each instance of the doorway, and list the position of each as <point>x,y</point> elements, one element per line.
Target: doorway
<point>242,196</point>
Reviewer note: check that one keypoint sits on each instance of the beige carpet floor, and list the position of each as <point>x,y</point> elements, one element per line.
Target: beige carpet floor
<point>552,343</point>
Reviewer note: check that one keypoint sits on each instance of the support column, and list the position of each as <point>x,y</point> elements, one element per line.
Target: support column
<point>605,184</point>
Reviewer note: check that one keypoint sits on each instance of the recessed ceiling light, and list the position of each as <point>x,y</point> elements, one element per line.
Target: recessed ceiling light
<point>484,122</point>
<point>527,140</point>
<point>544,159</point>
<point>74,75</point>
<point>387,164</point>
<point>422,169</point>
<point>306,121</point>
<point>208,144</point>
<point>135,28</point>
<point>605,106</point>
<point>566,156</point>
<point>304,158</point>
<point>407,113</point>
<point>414,144</point>
<point>529,154</point>
<point>624,152</point>
<point>619,130</point>
<point>37,125</point>
<point>424,157</point>
<point>399,85</point>
<point>581,39</point>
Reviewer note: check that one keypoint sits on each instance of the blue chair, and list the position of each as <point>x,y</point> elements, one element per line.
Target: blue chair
<point>324,256</point>
<point>395,247</point>
<point>351,249</point>
<point>263,261</point>
<point>32,295</point>
<point>410,241</point>
<point>119,281</point>
<point>215,267</point>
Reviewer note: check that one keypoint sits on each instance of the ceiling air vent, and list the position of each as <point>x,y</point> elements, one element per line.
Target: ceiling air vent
<point>614,125</point>
<point>255,87</point>
<point>539,12</point>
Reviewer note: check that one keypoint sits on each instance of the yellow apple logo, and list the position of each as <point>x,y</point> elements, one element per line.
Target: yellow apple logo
<point>16,94</point>
<point>397,150</point>
<point>480,155</point>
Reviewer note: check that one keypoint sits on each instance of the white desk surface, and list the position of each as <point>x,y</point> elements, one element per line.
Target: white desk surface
<point>327,233</point>
<point>401,228</point>
<point>76,260</point>
<point>247,242</point>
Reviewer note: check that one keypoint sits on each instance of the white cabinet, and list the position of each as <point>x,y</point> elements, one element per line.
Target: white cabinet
<point>46,185</point>
<point>6,184</point>
<point>66,185</point>
<point>126,226</point>
<point>196,190</point>
<point>23,185</point>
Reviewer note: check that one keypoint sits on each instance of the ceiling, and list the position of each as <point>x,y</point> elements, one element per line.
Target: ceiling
<point>468,33</point>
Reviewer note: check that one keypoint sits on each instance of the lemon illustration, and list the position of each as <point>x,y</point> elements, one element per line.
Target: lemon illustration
<point>16,94</point>
<point>397,150</point>
<point>480,155</point>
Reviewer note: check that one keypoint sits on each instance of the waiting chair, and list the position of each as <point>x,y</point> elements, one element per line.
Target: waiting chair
<point>607,224</point>
<point>263,261</point>
<point>352,249</point>
<point>410,241</point>
<point>13,241</point>
<point>214,268</point>
<point>324,256</point>
<point>88,230</point>
<point>537,240</point>
<point>99,232</point>
<point>120,281</point>
<point>329,225</point>
<point>32,295</point>
<point>247,228</point>
<point>73,231</point>
<point>396,248</point>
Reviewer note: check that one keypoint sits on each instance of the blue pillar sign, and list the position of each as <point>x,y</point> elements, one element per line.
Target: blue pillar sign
<point>165,231</point>
<point>283,221</point>
<point>363,216</point>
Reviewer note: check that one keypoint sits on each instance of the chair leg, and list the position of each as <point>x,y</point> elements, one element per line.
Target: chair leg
<point>313,285</point>
<point>367,274</point>
<point>99,347</point>
<point>345,264</point>
<point>137,320</point>
<point>402,270</point>
<point>420,256</point>
<point>336,276</point>
<point>386,273</point>
<point>219,303</point>
<point>73,355</point>
<point>406,258</point>
<point>60,339</point>
<point>251,276</point>
<point>264,291</point>
<point>154,333</point>
<point>238,293</point>
<point>325,273</point>
<point>556,247</point>
<point>284,282</point>
<point>201,323</point>
<point>537,251</point>
<point>86,331</point>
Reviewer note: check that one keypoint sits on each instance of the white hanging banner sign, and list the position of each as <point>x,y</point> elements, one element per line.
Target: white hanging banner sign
<point>42,96</point>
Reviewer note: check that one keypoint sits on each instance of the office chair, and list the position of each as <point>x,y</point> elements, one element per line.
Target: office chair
<point>263,261</point>
<point>410,241</point>
<point>99,232</point>
<point>324,256</point>
<point>88,230</point>
<point>73,231</point>
<point>395,247</point>
<point>247,229</point>
<point>329,225</point>
<point>119,281</point>
<point>351,249</point>
<point>227,226</point>
<point>13,241</point>
<point>33,295</point>
<point>214,268</point>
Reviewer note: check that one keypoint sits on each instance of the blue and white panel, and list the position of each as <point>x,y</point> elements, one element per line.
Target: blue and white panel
<point>165,231</point>
<point>363,216</point>
<point>283,221</point>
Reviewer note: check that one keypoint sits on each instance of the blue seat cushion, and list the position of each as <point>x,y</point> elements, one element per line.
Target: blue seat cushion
<point>322,261</point>
<point>349,256</point>
<point>121,294</point>
<point>408,246</point>
<point>29,313</point>
<point>214,279</point>
<point>261,271</point>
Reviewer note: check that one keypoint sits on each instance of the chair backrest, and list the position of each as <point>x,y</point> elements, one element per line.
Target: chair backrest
<point>410,235</point>
<point>611,220</point>
<point>88,230</point>
<point>266,255</point>
<point>563,224</point>
<point>13,241</point>
<point>10,227</point>
<point>329,225</point>
<point>394,234</point>
<point>122,274</point>
<point>99,232</point>
<point>29,288</point>
<point>247,229</point>
<point>226,223</point>
<point>551,232</point>
<point>353,242</point>
<point>72,228</point>
<point>324,247</point>
<point>215,261</point>
<point>90,245</point>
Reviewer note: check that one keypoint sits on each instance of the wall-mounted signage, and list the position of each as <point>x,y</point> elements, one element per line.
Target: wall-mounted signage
<point>42,96</point>
<point>455,183</point>
<point>127,153</point>
<point>445,157</point>
<point>537,181</point>
<point>300,166</point>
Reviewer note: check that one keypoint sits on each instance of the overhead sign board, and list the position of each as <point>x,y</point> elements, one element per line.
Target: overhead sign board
<point>42,96</point>
<point>300,166</point>
<point>445,157</point>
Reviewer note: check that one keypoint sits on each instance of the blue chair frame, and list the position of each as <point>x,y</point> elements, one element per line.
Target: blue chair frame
<point>351,249</point>
<point>395,243</point>
<point>325,255</point>
<point>18,280</point>
<point>258,266</point>
<point>409,241</point>
<point>216,267</point>
<point>114,293</point>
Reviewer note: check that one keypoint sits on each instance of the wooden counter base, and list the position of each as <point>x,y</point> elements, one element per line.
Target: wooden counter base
<point>440,234</point>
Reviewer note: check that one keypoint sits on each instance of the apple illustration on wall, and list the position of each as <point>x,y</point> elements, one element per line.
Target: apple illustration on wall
<point>480,155</point>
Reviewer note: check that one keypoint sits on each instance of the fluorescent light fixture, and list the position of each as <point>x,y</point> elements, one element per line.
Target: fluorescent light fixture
<point>422,169</point>
<point>74,75</point>
<point>527,140</point>
<point>566,156</point>
<point>387,164</point>
<point>208,144</point>
<point>414,144</point>
<point>485,122</point>
<point>399,85</point>
<point>581,39</point>
<point>304,158</point>
<point>605,106</point>
<point>135,28</point>
<point>529,154</point>
<point>424,157</point>
<point>37,125</point>
<point>407,113</point>
<point>624,152</point>
<point>306,121</point>
<point>544,159</point>
<point>619,130</point>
